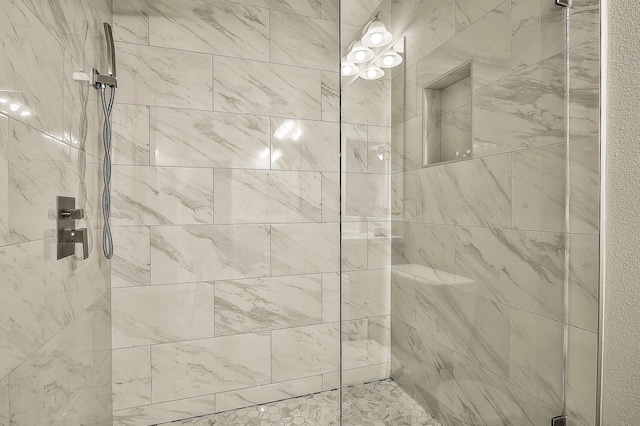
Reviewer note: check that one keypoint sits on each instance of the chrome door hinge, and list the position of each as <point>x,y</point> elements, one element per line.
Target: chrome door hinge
<point>559,421</point>
<point>565,3</point>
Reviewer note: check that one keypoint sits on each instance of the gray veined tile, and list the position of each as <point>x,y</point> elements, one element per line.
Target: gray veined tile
<point>304,248</point>
<point>4,401</point>
<point>366,195</point>
<point>130,134</point>
<point>583,255</point>
<point>305,145</point>
<point>140,314</point>
<point>165,411</point>
<point>584,21</point>
<point>552,29</point>
<point>524,269</point>
<point>301,7</point>
<point>331,297</point>
<point>379,245</point>
<point>330,96</point>
<point>358,12</point>
<point>354,244</point>
<point>256,196</point>
<point>379,340</point>
<point>148,76</point>
<point>4,180</point>
<point>210,26</point>
<point>363,102</point>
<point>469,11</point>
<point>252,87</point>
<point>131,21</point>
<point>189,138</point>
<point>330,197</point>
<point>354,140</point>
<point>305,351</point>
<point>428,27</point>
<point>582,376</point>
<point>265,304</point>
<point>366,294</point>
<point>207,366</point>
<point>131,262</point>
<point>355,344</point>
<point>302,41</point>
<point>131,377</point>
<point>209,252</point>
<point>145,195</point>
<point>403,297</point>
<point>584,196</point>
<point>584,90</point>
<point>525,33</point>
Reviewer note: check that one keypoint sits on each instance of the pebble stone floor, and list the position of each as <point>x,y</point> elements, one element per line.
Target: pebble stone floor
<point>382,403</point>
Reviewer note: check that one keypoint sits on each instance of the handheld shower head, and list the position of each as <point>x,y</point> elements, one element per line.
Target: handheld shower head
<point>111,51</point>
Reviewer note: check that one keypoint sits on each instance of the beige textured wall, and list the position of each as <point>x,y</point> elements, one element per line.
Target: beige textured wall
<point>621,405</point>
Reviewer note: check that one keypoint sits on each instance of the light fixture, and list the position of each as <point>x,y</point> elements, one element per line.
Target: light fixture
<point>14,107</point>
<point>25,113</point>
<point>399,46</point>
<point>3,100</point>
<point>348,69</point>
<point>360,53</point>
<point>377,35</point>
<point>373,73</point>
<point>389,59</point>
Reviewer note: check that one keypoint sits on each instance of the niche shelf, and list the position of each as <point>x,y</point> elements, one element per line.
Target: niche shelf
<point>447,117</point>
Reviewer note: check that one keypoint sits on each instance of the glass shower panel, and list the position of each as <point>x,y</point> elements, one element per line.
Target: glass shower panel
<point>454,188</point>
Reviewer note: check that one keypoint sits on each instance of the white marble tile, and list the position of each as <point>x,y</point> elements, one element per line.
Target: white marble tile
<point>331,297</point>
<point>584,252</point>
<point>207,253</point>
<point>202,367</point>
<point>473,326</point>
<point>268,393</point>
<point>131,263</point>
<point>456,134</point>
<point>354,244</point>
<point>430,25</point>
<point>378,149</point>
<point>584,21</point>
<point>366,101</point>
<point>31,47</point>
<point>525,33</point>
<point>403,297</point>
<point>537,356</point>
<point>165,412</point>
<point>582,368</point>
<point>252,87</point>
<point>301,7</point>
<point>305,351</point>
<point>456,95</point>
<point>189,138</point>
<point>161,196</point>
<point>139,314</point>
<point>539,188</point>
<point>379,340</point>
<point>304,248</point>
<point>330,197</point>
<point>354,147</point>
<point>584,90</point>
<point>330,96</point>
<point>356,376</point>
<point>130,134</point>
<point>255,196</point>
<point>147,76</point>
<point>474,192</point>
<point>358,12</point>
<point>305,145</point>
<point>4,180</point>
<point>215,26</point>
<point>432,246</point>
<point>302,41</point>
<point>379,245</point>
<point>265,304</point>
<point>4,401</point>
<point>469,11</point>
<point>131,21</point>
<point>410,133</point>
<point>584,197</point>
<point>355,344</point>
<point>524,269</point>
<point>366,293</point>
<point>552,29</point>
<point>367,195</point>
<point>131,377</point>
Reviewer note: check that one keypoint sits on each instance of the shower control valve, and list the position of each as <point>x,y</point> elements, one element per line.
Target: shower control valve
<point>68,235</point>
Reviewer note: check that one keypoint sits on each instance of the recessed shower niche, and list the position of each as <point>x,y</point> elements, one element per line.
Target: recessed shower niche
<point>447,117</point>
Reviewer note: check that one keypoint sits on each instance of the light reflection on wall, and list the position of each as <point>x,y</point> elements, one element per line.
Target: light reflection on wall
<point>14,108</point>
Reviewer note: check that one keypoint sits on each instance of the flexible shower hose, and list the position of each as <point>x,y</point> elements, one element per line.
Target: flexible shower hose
<point>107,238</point>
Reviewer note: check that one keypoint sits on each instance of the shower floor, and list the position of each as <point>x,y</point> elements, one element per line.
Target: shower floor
<point>382,403</point>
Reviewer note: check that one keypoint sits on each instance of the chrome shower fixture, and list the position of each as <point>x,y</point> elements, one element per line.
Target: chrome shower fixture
<point>94,77</point>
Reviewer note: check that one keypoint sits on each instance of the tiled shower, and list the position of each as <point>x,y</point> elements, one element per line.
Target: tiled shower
<point>280,231</point>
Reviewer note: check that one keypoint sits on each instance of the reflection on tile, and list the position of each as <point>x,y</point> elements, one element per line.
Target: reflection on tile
<point>473,326</point>
<point>207,253</point>
<point>201,367</point>
<point>330,96</point>
<point>140,314</point>
<point>366,294</point>
<point>131,377</point>
<point>302,41</point>
<point>131,21</point>
<point>149,71</point>
<point>363,101</point>
<point>269,89</point>
<point>206,139</point>
<point>539,188</point>
<point>130,130</point>
<point>165,412</point>
<point>584,92</point>
<point>584,201</point>
<point>537,356</point>
<point>267,304</point>
<point>519,268</point>
<point>263,394</point>
<point>161,196</point>
<point>131,263</point>
<point>379,245</point>
<point>267,196</point>
<point>584,252</point>
<point>215,26</point>
<point>305,145</point>
<point>582,368</point>
<point>474,192</point>
<point>305,351</point>
<point>378,149</point>
<point>304,248</point>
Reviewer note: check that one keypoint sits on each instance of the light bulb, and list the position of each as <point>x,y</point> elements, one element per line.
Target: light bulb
<point>376,39</point>
<point>346,70</point>
<point>377,35</point>
<point>361,55</point>
<point>3,100</point>
<point>371,73</point>
<point>25,113</point>
<point>14,107</point>
<point>388,60</point>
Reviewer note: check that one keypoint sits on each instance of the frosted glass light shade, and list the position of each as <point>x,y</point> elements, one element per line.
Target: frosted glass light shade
<point>347,69</point>
<point>377,35</point>
<point>373,73</point>
<point>389,59</point>
<point>360,53</point>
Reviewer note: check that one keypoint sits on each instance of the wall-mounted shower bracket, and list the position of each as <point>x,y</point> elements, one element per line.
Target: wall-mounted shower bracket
<point>68,235</point>
<point>96,79</point>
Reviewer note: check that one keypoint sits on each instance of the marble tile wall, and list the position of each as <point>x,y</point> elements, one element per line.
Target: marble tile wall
<point>482,249</point>
<point>55,316</point>
<point>226,210</point>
